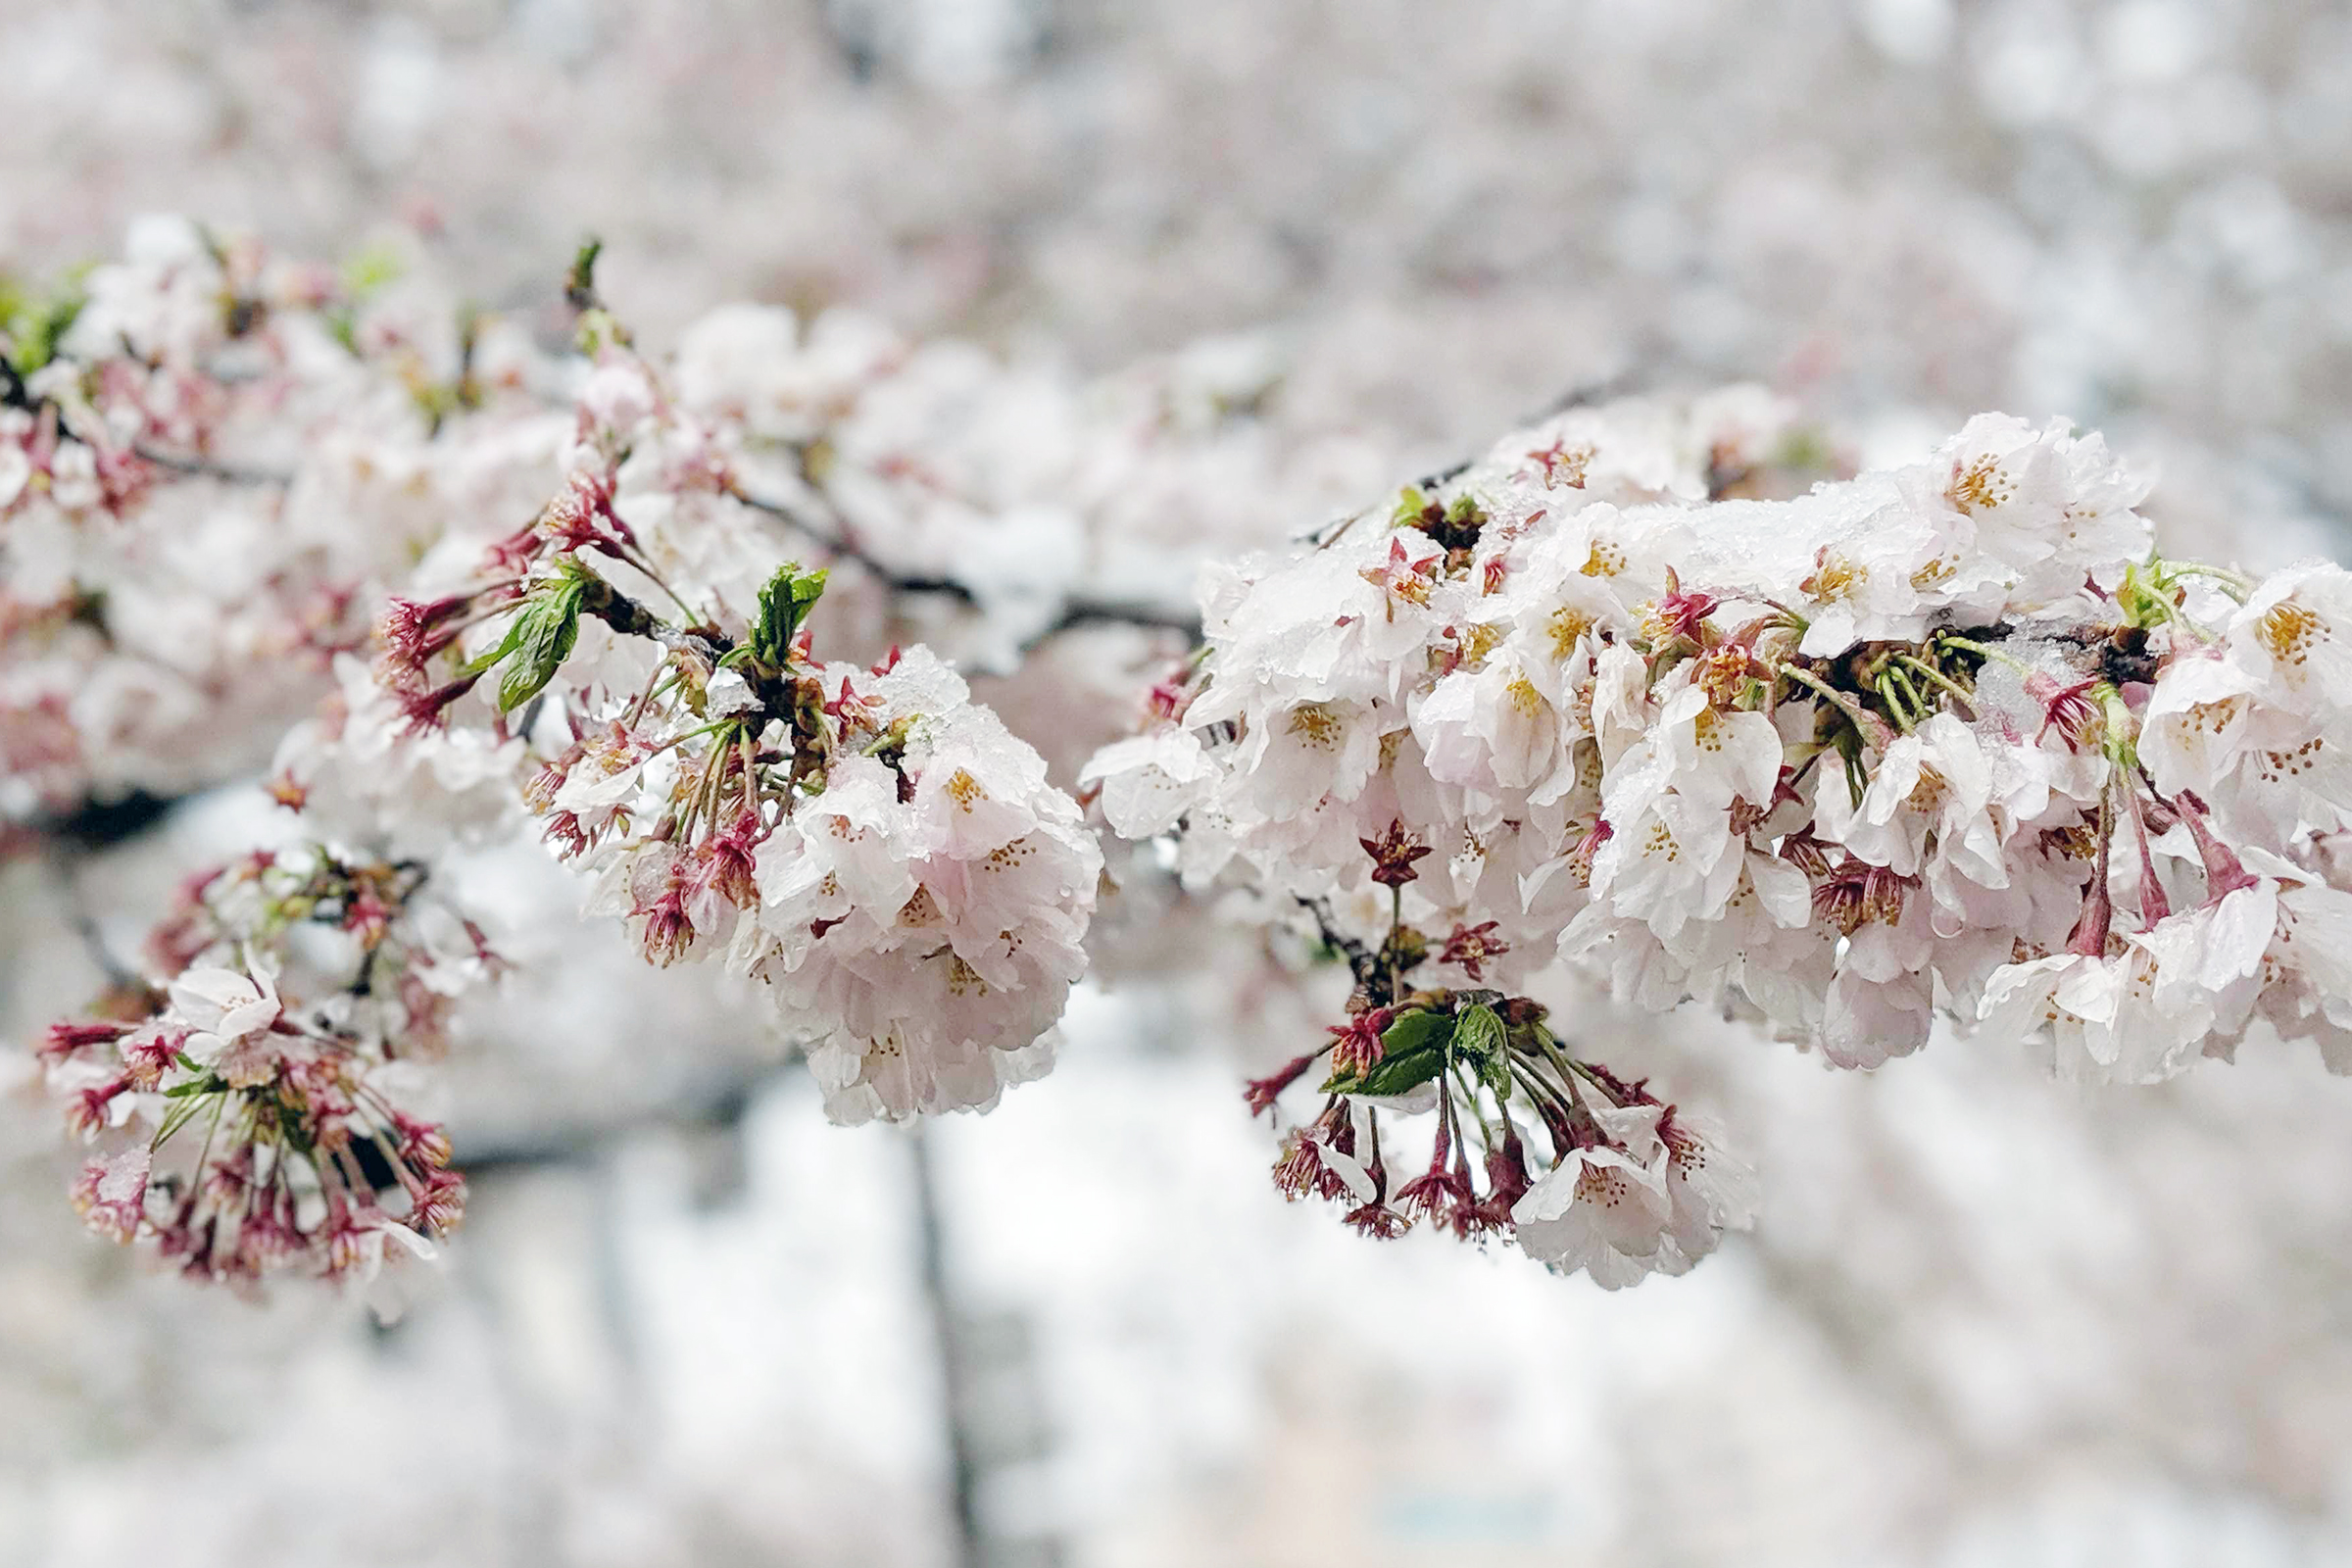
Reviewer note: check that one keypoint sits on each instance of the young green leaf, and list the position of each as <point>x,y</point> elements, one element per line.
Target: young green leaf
<point>1395,1075</point>
<point>1414,1029</point>
<point>784,604</point>
<point>1479,1033</point>
<point>544,636</point>
<point>505,645</point>
<point>37,324</point>
<point>1413,1052</point>
<point>209,1084</point>
<point>1481,1040</point>
<point>537,641</point>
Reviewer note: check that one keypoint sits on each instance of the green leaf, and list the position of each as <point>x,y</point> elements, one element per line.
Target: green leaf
<point>209,1084</point>
<point>1415,1029</point>
<point>38,323</point>
<point>1414,1052</point>
<point>1395,1075</point>
<point>784,604</point>
<point>540,637</point>
<point>505,645</point>
<point>1479,1033</point>
<point>579,284</point>
<point>1481,1040</point>
<point>549,627</point>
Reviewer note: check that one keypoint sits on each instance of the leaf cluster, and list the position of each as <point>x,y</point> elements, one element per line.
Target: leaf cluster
<point>784,605</point>
<point>538,640</point>
<point>1421,1044</point>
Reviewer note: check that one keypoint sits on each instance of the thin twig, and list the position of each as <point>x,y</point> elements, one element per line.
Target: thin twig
<point>1579,396</point>
<point>211,468</point>
<point>1078,612</point>
<point>1363,961</point>
<point>834,536</point>
<point>835,539</point>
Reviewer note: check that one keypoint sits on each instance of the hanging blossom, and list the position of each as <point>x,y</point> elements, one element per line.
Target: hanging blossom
<point>875,847</point>
<point>251,1092</point>
<point>1947,741</point>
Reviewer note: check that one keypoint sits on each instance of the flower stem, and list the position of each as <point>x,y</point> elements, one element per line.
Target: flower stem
<point>1895,705</point>
<point>1984,650</point>
<point>2236,584</point>
<point>1930,673</point>
<point>1919,703</point>
<point>1843,703</point>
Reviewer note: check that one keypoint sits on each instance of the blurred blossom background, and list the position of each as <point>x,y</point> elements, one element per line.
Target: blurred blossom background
<point>1986,1319</point>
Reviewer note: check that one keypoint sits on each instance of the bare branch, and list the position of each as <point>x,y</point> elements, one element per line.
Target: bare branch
<point>833,535</point>
<point>211,468</point>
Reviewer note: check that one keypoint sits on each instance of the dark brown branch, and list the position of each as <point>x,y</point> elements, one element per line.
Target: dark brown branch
<point>1363,961</point>
<point>834,537</point>
<point>1576,397</point>
<point>196,468</point>
<point>1078,612</point>
<point>631,618</point>
<point>716,1105</point>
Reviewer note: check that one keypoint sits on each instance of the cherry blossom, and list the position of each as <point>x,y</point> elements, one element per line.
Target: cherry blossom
<point>254,1083</point>
<point>1946,744</point>
<point>1654,697</point>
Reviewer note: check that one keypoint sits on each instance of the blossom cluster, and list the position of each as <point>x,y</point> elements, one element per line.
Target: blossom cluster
<point>1948,739</point>
<point>872,843</point>
<point>210,460</point>
<point>215,462</point>
<point>869,842</point>
<point>924,904</point>
<point>255,1085</point>
<point>1621,699</point>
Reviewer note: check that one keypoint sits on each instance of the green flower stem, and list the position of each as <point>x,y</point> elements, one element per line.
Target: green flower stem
<point>1894,704</point>
<point>1930,673</point>
<point>1984,650</point>
<point>1843,703</point>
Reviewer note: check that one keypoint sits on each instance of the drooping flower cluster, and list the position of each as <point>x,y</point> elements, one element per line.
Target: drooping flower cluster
<point>878,849</point>
<point>924,902</point>
<point>254,1088</point>
<point>1582,1168</point>
<point>1948,739</point>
